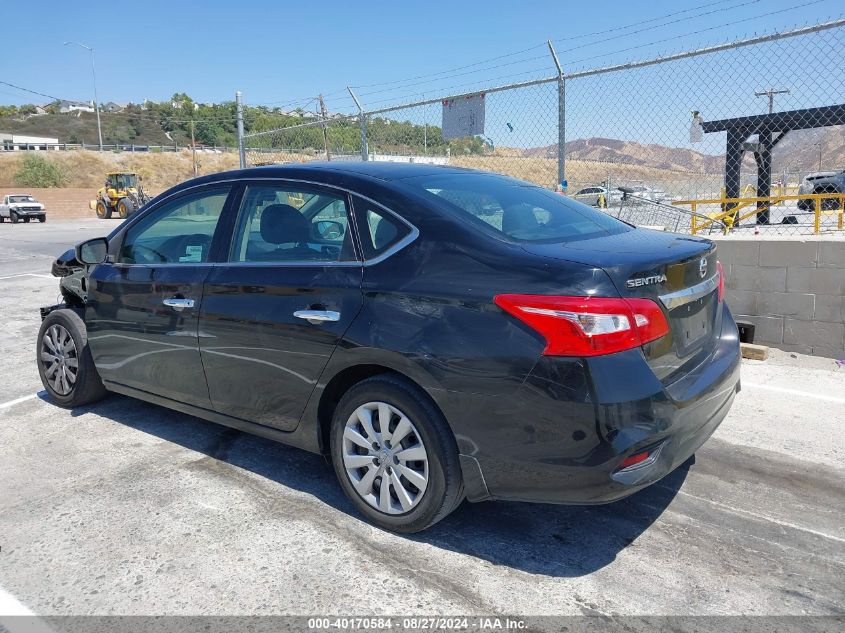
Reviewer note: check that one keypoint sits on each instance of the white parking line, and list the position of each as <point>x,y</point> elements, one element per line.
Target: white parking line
<point>12,403</point>
<point>27,275</point>
<point>794,392</point>
<point>10,611</point>
<point>9,605</point>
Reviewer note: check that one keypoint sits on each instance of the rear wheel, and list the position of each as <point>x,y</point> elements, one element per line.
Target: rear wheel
<point>103,212</point>
<point>65,365</point>
<point>394,455</point>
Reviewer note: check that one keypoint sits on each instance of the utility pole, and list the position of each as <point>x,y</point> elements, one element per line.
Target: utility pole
<point>770,93</point>
<point>239,106</point>
<point>325,116</point>
<point>194,149</point>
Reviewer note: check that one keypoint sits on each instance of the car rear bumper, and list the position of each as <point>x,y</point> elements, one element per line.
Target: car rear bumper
<point>558,441</point>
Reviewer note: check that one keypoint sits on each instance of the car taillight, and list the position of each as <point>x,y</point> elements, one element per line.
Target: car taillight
<point>721,272</point>
<point>587,326</point>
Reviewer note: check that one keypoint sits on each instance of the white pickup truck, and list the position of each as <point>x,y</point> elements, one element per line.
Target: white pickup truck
<point>21,206</point>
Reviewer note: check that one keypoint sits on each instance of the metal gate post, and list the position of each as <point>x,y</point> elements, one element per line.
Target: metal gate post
<point>362,122</point>
<point>561,118</point>
<point>240,113</point>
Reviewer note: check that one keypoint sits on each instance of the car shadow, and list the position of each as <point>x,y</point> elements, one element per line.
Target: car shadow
<point>553,540</point>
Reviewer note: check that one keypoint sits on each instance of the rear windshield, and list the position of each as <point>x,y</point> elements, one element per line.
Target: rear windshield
<point>514,209</point>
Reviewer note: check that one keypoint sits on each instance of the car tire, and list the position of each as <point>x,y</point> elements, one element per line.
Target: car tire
<point>419,492</point>
<point>13,217</point>
<point>63,341</point>
<point>42,218</point>
<point>26,220</point>
<point>103,212</point>
<point>2,219</point>
<point>125,208</point>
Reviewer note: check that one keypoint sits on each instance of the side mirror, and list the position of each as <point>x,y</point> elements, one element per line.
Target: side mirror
<point>93,251</point>
<point>329,229</point>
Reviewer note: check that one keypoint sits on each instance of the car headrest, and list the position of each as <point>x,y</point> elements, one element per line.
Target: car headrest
<point>518,217</point>
<point>385,232</point>
<point>283,224</point>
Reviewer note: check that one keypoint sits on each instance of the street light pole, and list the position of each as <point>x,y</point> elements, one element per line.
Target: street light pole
<point>96,103</point>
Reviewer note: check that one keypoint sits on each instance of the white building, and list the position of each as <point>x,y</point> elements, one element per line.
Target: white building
<point>17,142</point>
<point>75,106</point>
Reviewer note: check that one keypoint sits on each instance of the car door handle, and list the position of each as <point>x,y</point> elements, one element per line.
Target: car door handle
<point>315,317</point>
<point>178,304</point>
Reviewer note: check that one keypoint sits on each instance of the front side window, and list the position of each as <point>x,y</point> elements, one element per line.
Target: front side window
<point>178,232</point>
<point>514,209</point>
<point>280,223</point>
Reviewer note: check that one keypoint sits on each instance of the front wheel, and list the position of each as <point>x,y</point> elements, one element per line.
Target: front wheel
<point>125,208</point>
<point>395,455</point>
<point>42,218</point>
<point>26,220</point>
<point>13,217</point>
<point>65,364</point>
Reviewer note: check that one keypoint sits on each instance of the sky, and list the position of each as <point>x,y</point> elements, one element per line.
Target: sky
<point>284,53</point>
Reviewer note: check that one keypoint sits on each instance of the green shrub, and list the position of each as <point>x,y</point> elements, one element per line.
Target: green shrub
<point>37,171</point>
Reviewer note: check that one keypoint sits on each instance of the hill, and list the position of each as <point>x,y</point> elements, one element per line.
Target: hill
<point>81,127</point>
<point>798,152</point>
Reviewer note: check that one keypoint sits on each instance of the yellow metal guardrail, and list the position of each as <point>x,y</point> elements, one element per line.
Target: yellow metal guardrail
<point>734,215</point>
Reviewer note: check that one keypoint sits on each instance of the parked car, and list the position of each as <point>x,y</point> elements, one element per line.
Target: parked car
<point>543,352</point>
<point>598,196</point>
<point>22,206</point>
<point>821,182</point>
<point>644,193</point>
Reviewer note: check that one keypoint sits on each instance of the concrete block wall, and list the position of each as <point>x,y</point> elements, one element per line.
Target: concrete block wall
<point>793,290</point>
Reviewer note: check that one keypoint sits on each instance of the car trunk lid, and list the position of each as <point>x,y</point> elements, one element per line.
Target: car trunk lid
<point>678,272</point>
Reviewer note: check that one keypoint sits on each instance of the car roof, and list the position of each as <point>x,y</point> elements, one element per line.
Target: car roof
<point>374,169</point>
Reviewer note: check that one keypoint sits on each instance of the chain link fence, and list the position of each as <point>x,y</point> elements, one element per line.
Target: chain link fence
<point>745,136</point>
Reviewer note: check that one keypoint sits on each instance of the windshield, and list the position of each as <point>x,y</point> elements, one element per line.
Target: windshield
<point>21,199</point>
<point>514,209</point>
<point>124,181</point>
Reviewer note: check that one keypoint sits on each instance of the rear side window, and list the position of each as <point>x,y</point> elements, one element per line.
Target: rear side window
<point>379,230</point>
<point>513,209</point>
<point>292,224</point>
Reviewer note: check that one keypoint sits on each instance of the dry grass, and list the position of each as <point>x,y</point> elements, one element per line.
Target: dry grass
<point>579,173</point>
<point>83,168</point>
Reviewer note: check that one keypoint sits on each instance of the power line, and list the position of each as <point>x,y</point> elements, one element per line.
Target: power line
<point>659,26</point>
<point>711,28</point>
<point>628,26</point>
<point>444,74</point>
<point>34,92</point>
<point>470,72</point>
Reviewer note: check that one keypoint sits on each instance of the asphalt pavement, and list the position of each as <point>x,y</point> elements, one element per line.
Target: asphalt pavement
<point>128,508</point>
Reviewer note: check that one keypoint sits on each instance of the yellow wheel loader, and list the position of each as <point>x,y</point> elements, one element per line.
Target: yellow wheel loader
<point>122,194</point>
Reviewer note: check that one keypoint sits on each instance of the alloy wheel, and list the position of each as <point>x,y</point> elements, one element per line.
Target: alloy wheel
<point>60,359</point>
<point>385,458</point>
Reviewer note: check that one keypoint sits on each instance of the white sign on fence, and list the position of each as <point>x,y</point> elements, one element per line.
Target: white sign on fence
<point>463,117</point>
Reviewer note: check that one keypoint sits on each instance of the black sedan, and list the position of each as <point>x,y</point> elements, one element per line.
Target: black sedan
<point>440,333</point>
